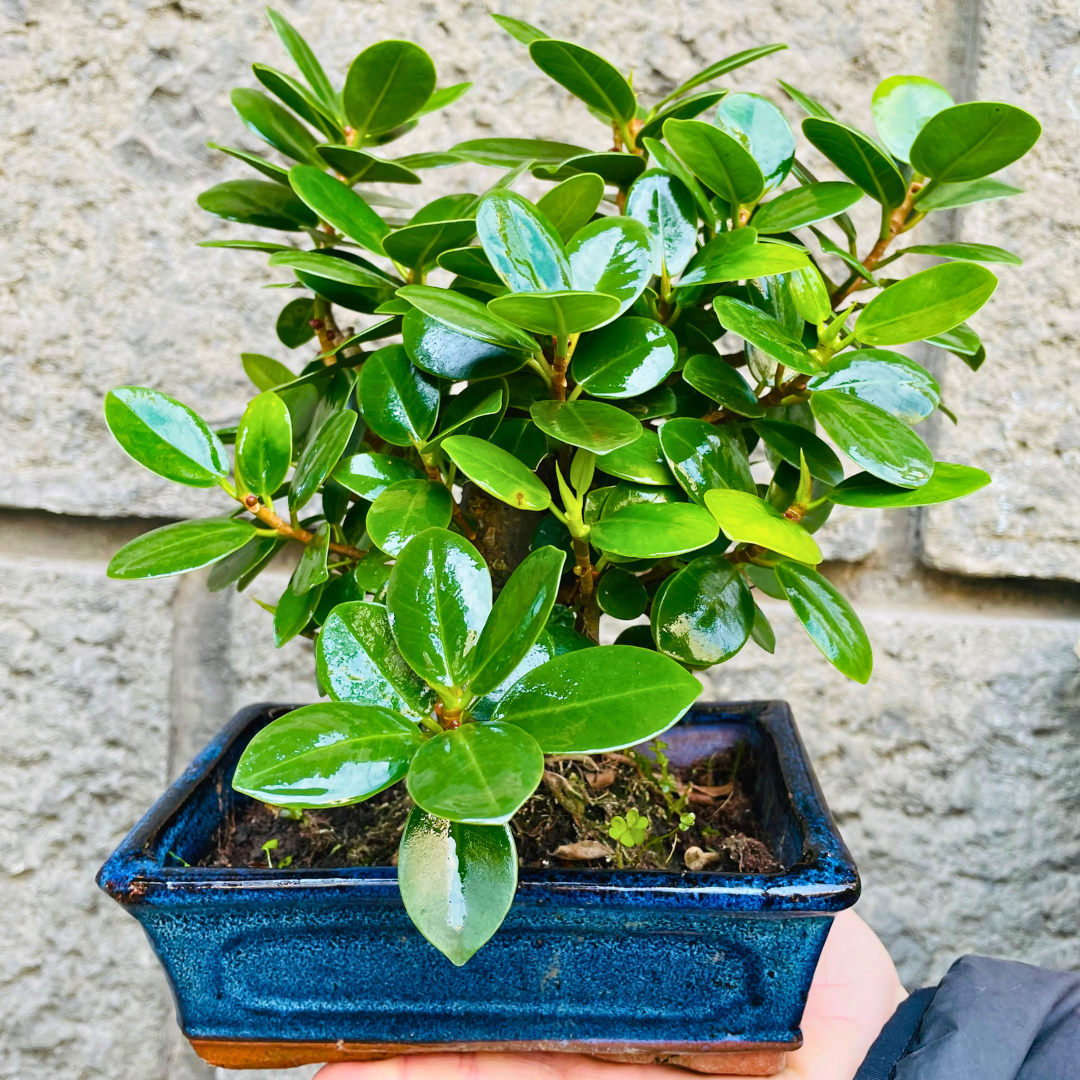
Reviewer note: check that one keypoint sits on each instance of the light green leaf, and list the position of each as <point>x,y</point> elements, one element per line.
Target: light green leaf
<point>311,569</point>
<point>592,425</point>
<point>340,206</point>
<point>970,141</point>
<point>497,472</point>
<point>748,519</point>
<point>641,462</point>
<point>901,105</point>
<point>570,205</point>
<point>763,130</point>
<point>654,531</point>
<point>711,376</point>
<point>294,612</point>
<point>721,67</point>
<point>738,262</point>
<point>556,313</point>
<point>947,483</point>
<point>771,337</point>
<point>369,475</point>
<point>717,159</point>
<point>506,153</point>
<point>892,382</point>
<point>950,196</point>
<point>320,456</point>
<point>304,58</point>
<point>966,252</point>
<point>265,372</point>
<point>805,206</point>
<point>468,316</point>
<point>406,509</point>
<point>178,548</point>
<point>275,125</point>
<point>858,157</point>
<point>264,444</point>
<point>521,31</point>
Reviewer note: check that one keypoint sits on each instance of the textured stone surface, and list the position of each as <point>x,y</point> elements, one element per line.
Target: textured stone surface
<point>1020,413</point>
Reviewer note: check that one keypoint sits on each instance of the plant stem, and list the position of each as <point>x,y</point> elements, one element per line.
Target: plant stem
<point>589,609</point>
<point>267,515</point>
<point>324,324</point>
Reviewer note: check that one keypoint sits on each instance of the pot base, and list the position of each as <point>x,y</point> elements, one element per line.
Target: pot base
<point>743,1059</point>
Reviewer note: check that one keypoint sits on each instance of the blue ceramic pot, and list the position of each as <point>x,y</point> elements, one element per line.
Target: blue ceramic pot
<point>272,968</point>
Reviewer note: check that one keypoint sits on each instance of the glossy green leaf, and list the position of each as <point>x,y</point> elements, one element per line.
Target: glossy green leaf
<point>948,482</point>
<point>901,105</point>
<point>950,196</point>
<point>859,158</point>
<point>809,105</point>
<point>165,436</point>
<point>718,380</point>
<point>300,99</point>
<point>686,109</point>
<point>369,475</point>
<point>524,440</point>
<point>468,316</point>
<point>961,341</point>
<point>242,562</point>
<point>763,130</point>
<point>418,246</point>
<point>472,263</point>
<point>762,631</point>
<point>294,612</point>
<point>523,246</point>
<point>556,313</point>
<point>770,336</point>
<point>542,650</point>
<point>478,774</point>
<point>257,202</point>
<point>626,493</point>
<point>666,160</point>
<point>617,168</point>
<point>793,442</point>
<point>654,531</point>
<point>400,403</point>
<point>892,382</point>
<point>303,57</point>
<point>738,262</point>
<point>278,173</point>
<point>293,325</point>
<point>435,348</point>
<point>457,881</point>
<point>662,203</point>
<point>357,660</point>
<point>748,519</point>
<point>706,613</point>
<point>586,76</point>
<point>722,67</point>
<point>621,595</point>
<point>517,619</point>
<point>521,31</point>
<point>597,700</point>
<point>438,598</point>
<point>265,372</point>
<point>847,258</point>
<point>340,206</point>
<point>624,358</point>
<point>356,165</point>
<point>592,425</point>
<point>311,569</point>
<point>334,269</point>
<point>717,159</point>
<point>498,472</point>
<point>881,444</point>
<point>264,444</point>
<point>805,206</point>
<point>406,509</point>
<point>809,294</point>
<point>970,141</point>
<point>331,754</point>
<point>387,84</point>
<point>320,456</point>
<point>703,457</point>
<point>476,411</point>
<point>570,205</point>
<point>925,304</point>
<point>660,401</point>
<point>444,97</point>
<point>612,256</point>
<point>829,619</point>
<point>246,245</point>
<point>506,153</point>
<point>275,125</point>
<point>641,462</point>
<point>178,548</point>
<point>967,252</point>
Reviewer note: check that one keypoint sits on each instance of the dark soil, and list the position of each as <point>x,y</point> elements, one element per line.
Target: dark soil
<point>565,824</point>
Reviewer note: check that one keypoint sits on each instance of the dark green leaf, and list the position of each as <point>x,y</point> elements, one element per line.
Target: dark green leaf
<point>641,461</point>
<point>320,456</point>
<point>437,349</point>
<point>950,196</point>
<point>294,323</point>
<point>948,482</point>
<point>961,341</point>
<point>703,456</point>
<point>406,509</point>
<point>809,294</point>
<point>721,382</point>
<point>592,425</point>
<point>848,259</point>
<point>468,316</point>
<point>278,173</point>
<point>556,313</point>
<point>517,619</point>
<point>888,380</point>
<point>438,598</point>
<point>667,161</point>
<point>619,169</point>
<point>790,441</point>
<point>722,67</point>
<point>457,881</point>
<point>472,263</point>
<point>587,76</point>
<point>506,153</point>
<point>902,104</point>
<point>859,159</point>
<point>621,595</point>
<point>967,252</point>
<point>770,336</point>
<point>275,125</point>
<point>872,438</point>
<point>356,165</point>
<point>178,548</point>
<point>523,246</point>
<point>257,202</point>
<point>970,141</point>
<point>358,660</point>
<point>300,99</point>
<point>748,519</point>
<point>570,205</point>
<point>624,358</point>
<point>400,403</point>
<point>687,109</point>
<point>829,620</point>
<point>762,631</point>
<point>304,58</point>
<point>340,206</point>
<point>497,472</point>
<point>660,401</point>
<point>662,203</point>
<point>612,256</point>
<point>369,475</point>
<point>925,304</point>
<point>476,411</point>
<point>805,206</point>
<point>596,700</point>
<point>331,754</point>
<point>524,440</point>
<point>717,159</point>
<point>479,774</point>
<point>264,444</point>
<point>763,130</point>
<point>165,436</point>
<point>246,245</point>
<point>387,83</point>
<point>244,561</point>
<point>706,613</point>
<point>311,569</point>
<point>654,531</point>
<point>418,246</point>
<point>334,269</point>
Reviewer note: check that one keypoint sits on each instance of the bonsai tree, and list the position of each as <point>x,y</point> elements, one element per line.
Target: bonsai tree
<point>657,365</point>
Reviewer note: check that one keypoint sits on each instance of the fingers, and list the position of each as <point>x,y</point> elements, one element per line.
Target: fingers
<point>540,1066</point>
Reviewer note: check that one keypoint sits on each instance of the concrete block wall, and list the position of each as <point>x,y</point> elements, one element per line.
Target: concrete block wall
<point>953,774</point>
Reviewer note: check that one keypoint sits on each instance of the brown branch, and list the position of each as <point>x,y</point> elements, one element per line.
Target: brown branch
<point>435,476</point>
<point>293,532</point>
<point>773,397</point>
<point>590,611</point>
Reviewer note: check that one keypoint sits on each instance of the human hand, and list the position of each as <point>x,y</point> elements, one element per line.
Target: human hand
<point>855,990</point>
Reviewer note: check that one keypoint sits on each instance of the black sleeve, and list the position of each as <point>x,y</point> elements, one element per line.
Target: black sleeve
<point>988,1020</point>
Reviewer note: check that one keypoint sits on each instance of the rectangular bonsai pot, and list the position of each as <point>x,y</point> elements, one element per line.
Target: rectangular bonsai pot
<point>274,968</point>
